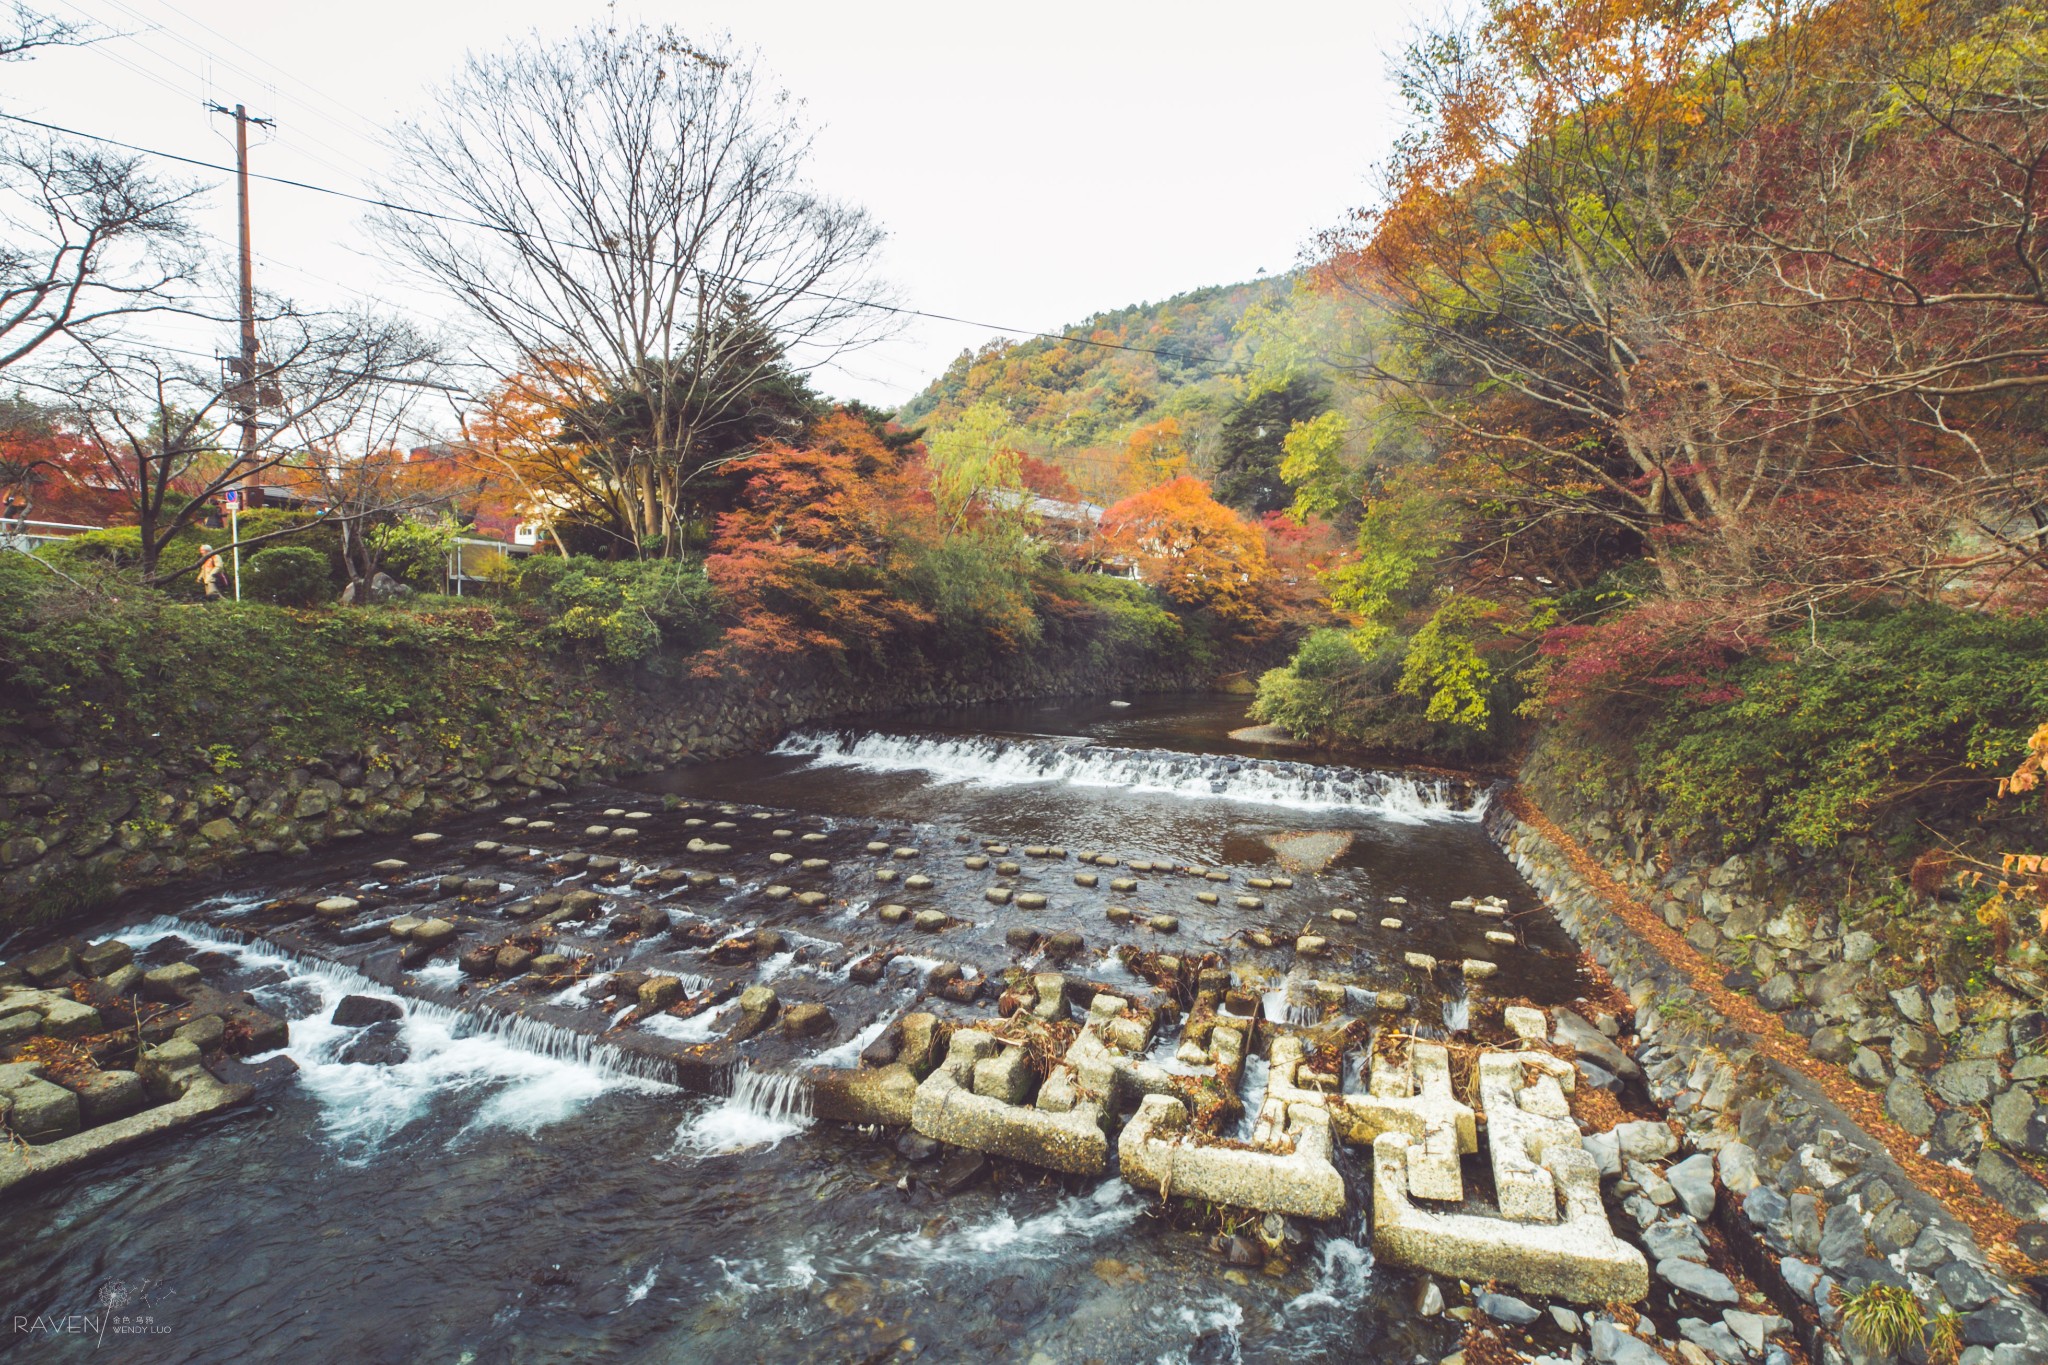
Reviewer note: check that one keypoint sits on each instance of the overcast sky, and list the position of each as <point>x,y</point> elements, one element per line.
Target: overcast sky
<point>1033,164</point>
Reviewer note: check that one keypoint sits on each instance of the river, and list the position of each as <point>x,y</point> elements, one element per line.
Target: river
<point>521,1190</point>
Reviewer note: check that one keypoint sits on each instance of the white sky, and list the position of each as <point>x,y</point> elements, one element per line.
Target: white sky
<point>1033,163</point>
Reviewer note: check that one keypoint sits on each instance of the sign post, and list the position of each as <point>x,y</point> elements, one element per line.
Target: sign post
<point>233,498</point>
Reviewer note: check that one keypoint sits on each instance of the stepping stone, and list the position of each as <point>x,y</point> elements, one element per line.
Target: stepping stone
<point>427,840</point>
<point>1421,962</point>
<point>997,895</point>
<point>930,921</point>
<point>885,874</point>
<point>816,864</point>
<point>390,865</point>
<point>1164,924</point>
<point>917,881</point>
<point>1009,870</point>
<point>894,913</point>
<point>1390,924</point>
<point>779,858</point>
<point>1030,900</point>
<point>1207,897</point>
<point>1499,936</point>
<point>1085,879</point>
<point>872,848</point>
<point>1310,945</point>
<point>1343,916</point>
<point>1250,903</point>
<point>976,863</point>
<point>905,853</point>
<point>812,838</point>
<point>1123,884</point>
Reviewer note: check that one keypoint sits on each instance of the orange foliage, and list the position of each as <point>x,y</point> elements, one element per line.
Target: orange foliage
<point>802,561</point>
<point>1198,552</point>
<point>1045,478</point>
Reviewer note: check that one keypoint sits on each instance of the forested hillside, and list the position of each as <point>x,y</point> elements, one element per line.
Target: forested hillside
<point>1149,382</point>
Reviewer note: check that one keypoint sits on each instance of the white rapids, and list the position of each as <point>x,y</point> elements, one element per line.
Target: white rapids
<point>1405,798</point>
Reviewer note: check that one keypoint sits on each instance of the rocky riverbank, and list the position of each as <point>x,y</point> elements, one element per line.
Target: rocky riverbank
<point>1825,1208</point>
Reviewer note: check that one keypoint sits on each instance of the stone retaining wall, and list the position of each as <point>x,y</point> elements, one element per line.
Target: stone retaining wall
<point>1824,1210</point>
<point>89,820</point>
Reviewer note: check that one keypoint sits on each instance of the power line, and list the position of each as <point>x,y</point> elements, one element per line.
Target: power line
<point>1182,354</point>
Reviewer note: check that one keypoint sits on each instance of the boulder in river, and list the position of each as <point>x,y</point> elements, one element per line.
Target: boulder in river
<point>360,1011</point>
<point>806,1021</point>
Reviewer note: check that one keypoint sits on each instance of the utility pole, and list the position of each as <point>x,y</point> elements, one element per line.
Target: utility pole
<point>246,390</point>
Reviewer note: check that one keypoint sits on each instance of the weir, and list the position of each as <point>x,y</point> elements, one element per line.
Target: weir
<point>1003,762</point>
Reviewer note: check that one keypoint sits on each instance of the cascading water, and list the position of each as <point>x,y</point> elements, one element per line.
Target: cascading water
<point>762,1109</point>
<point>530,1074</point>
<point>1457,1012</point>
<point>993,761</point>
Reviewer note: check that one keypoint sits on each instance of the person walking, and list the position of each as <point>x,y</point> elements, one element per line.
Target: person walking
<point>212,578</point>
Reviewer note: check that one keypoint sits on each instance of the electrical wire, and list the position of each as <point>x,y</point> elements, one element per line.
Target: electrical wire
<point>1182,354</point>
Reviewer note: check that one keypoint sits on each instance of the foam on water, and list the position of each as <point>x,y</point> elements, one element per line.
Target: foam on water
<point>698,1028</point>
<point>641,1287</point>
<point>524,1074</point>
<point>764,1108</point>
<point>1253,1091</point>
<point>995,762</point>
<point>848,1053</point>
<point>1109,1208</point>
<point>1212,1325</point>
<point>1343,1276</point>
<point>1457,1012</point>
<point>442,974</point>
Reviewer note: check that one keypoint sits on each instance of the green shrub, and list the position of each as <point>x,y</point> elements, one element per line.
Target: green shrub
<point>1862,725</point>
<point>1345,687</point>
<point>980,586</point>
<point>302,528</point>
<point>627,608</point>
<point>1119,619</point>
<point>287,576</point>
<point>416,552</point>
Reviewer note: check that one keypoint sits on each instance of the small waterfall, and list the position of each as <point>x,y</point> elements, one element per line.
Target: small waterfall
<point>1457,1012</point>
<point>771,1094</point>
<point>760,1109</point>
<point>515,1030</point>
<point>1279,1009</point>
<point>1406,798</point>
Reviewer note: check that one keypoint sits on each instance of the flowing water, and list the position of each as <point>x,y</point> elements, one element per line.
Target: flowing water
<point>508,1185</point>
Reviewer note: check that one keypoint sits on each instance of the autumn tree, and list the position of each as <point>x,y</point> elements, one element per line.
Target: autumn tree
<point>975,466</point>
<point>628,211</point>
<point>1198,552</point>
<point>802,560</point>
